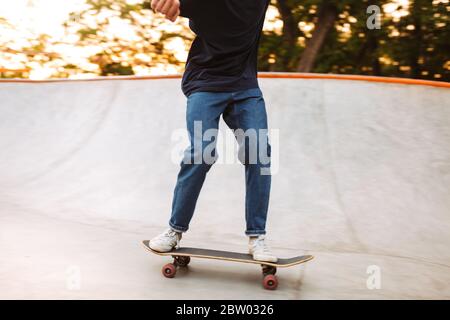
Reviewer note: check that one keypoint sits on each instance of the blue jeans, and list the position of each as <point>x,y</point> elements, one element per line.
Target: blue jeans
<point>240,110</point>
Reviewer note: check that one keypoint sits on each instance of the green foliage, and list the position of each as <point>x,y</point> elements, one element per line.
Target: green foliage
<point>394,50</point>
<point>121,55</point>
<point>415,45</point>
<point>423,44</point>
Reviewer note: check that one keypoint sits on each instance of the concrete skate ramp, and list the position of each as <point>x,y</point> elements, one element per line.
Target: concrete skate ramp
<point>361,181</point>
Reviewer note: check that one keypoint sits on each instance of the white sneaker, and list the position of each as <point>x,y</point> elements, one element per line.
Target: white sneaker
<point>259,249</point>
<point>166,241</point>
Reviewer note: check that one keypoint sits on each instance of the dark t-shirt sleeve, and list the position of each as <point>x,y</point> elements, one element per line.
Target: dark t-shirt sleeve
<point>194,8</point>
<point>187,9</point>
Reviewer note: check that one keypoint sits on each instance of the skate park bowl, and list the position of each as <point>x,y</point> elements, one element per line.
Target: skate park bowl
<point>361,180</point>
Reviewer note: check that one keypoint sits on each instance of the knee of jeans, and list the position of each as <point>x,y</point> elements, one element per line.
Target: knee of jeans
<point>204,158</point>
<point>257,156</point>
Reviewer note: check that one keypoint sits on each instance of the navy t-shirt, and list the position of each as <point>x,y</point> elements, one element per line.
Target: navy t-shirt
<point>223,56</point>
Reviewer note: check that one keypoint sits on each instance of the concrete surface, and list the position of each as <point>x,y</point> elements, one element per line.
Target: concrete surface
<point>87,170</point>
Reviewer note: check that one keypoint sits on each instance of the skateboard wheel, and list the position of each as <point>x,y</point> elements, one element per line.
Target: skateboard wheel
<point>270,282</point>
<point>169,270</point>
<point>182,261</point>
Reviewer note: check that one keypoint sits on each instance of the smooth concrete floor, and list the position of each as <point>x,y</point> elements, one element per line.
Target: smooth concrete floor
<point>43,258</point>
<point>361,180</point>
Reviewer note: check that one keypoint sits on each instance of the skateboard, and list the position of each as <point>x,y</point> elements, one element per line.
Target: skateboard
<point>182,257</point>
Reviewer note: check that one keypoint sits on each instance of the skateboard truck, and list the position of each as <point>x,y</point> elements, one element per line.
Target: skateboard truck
<point>169,270</point>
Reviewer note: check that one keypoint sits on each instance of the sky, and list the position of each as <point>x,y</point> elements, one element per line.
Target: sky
<point>42,16</point>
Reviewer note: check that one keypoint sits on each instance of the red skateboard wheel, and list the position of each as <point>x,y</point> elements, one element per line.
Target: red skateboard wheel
<point>169,270</point>
<point>270,282</point>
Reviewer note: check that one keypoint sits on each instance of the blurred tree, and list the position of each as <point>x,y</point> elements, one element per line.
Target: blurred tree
<point>107,37</point>
<point>124,37</point>
<point>418,45</point>
<point>23,57</point>
<point>333,36</point>
<point>326,18</point>
<point>128,37</point>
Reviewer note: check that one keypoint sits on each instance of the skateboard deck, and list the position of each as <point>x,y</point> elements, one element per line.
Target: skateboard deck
<point>182,258</point>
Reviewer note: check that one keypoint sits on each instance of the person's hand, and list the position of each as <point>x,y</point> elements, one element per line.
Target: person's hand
<point>170,8</point>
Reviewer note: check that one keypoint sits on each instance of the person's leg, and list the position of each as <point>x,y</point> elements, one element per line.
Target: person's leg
<point>202,117</point>
<point>247,117</point>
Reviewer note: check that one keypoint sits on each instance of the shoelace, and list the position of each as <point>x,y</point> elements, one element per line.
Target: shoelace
<point>169,234</point>
<point>259,243</point>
